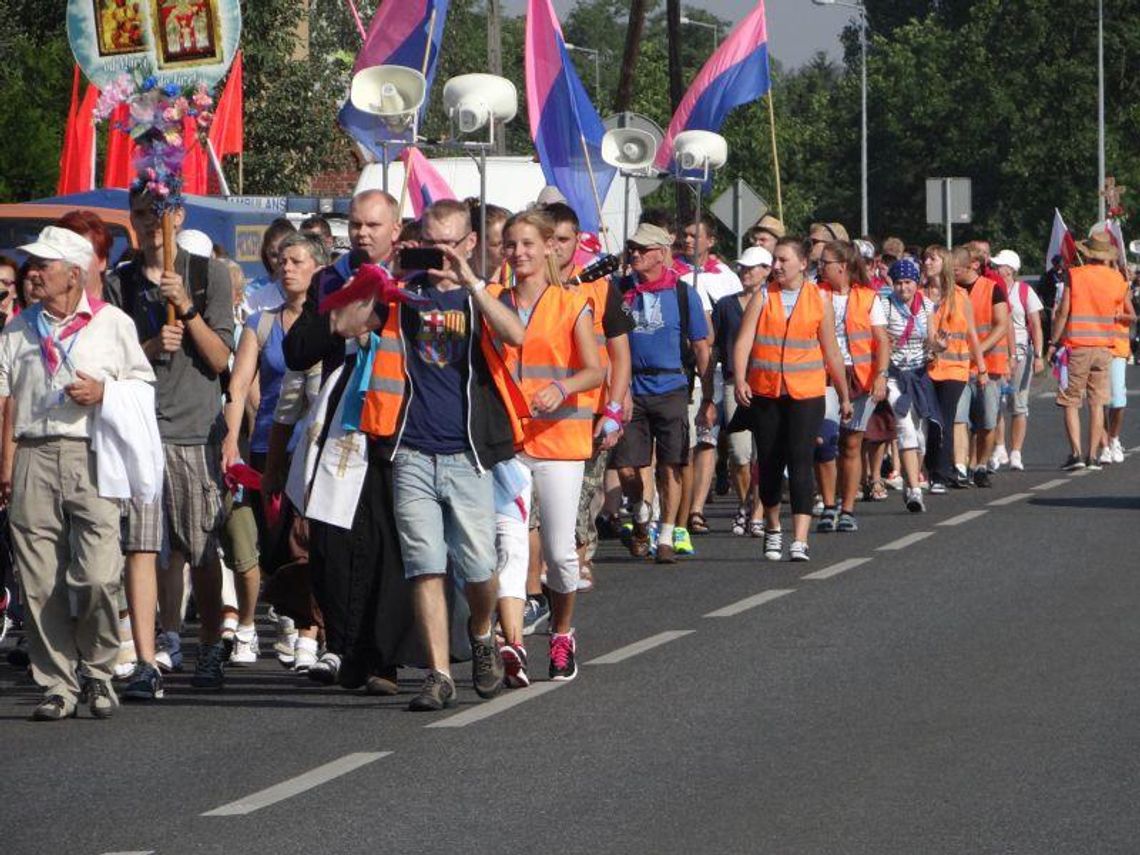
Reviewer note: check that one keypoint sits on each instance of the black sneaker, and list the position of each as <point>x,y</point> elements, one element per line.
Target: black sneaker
<point>100,698</point>
<point>563,657</point>
<point>437,692</point>
<point>53,708</point>
<point>1073,463</point>
<point>846,522</point>
<point>487,671</point>
<point>143,684</point>
<point>982,477</point>
<point>208,673</point>
<point>1092,464</point>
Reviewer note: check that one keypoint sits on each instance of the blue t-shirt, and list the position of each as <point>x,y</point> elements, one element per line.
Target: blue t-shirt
<point>727,316</point>
<point>270,372</point>
<point>655,342</point>
<point>438,338</point>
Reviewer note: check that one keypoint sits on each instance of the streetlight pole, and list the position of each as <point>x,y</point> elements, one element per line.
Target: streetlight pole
<point>715,29</point>
<point>1100,109</point>
<point>864,225</point>
<point>597,68</point>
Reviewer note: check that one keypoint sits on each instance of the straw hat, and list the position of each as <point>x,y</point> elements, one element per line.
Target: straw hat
<point>1098,246</point>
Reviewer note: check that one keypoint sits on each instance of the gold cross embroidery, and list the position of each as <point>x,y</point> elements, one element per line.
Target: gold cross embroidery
<point>346,445</point>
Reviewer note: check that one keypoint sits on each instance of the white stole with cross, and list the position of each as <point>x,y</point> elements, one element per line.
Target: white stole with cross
<point>326,481</point>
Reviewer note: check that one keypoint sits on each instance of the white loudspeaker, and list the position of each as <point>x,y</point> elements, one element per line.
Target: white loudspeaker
<point>392,92</point>
<point>473,100</point>
<point>1134,247</point>
<point>700,150</point>
<point>629,148</point>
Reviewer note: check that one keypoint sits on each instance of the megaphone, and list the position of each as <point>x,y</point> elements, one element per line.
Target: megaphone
<point>474,100</point>
<point>699,150</point>
<point>392,92</point>
<point>629,149</point>
<point>1134,247</point>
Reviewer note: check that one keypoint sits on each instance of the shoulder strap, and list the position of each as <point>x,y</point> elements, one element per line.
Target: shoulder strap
<point>1023,295</point>
<point>265,323</point>
<point>199,270</point>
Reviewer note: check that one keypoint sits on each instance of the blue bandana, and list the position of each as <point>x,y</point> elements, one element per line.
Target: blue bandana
<point>904,268</point>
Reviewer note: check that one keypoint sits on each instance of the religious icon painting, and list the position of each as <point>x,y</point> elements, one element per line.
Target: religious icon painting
<point>186,32</point>
<point>119,27</point>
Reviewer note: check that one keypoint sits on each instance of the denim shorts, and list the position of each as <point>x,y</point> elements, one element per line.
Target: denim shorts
<point>444,494</point>
<point>978,406</point>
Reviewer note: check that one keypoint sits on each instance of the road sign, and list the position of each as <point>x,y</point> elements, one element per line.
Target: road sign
<point>739,207</point>
<point>949,201</point>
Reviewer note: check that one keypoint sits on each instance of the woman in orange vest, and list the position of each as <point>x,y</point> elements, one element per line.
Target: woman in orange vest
<point>554,369</point>
<point>786,337</point>
<point>955,339</point>
<point>860,330</point>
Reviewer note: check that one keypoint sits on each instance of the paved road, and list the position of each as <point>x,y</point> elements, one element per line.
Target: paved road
<point>960,681</point>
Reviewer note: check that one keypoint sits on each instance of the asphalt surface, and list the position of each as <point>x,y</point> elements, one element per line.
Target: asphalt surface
<point>972,689</point>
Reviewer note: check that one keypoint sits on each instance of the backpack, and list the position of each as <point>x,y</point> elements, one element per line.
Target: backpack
<point>688,356</point>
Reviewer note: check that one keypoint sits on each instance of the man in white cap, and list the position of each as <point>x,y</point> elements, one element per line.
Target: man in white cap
<point>55,359</point>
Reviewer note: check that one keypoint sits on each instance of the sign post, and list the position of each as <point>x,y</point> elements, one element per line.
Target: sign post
<point>949,201</point>
<point>739,208</point>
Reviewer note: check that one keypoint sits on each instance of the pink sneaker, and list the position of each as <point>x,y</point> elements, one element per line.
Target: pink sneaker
<point>514,663</point>
<point>563,664</point>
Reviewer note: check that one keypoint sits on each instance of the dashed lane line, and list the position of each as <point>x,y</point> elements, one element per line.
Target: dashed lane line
<point>963,518</point>
<point>750,602</point>
<point>836,569</point>
<point>1009,500</point>
<point>1049,485</point>
<point>132,852</point>
<point>1081,472</point>
<point>904,542</point>
<point>301,783</point>
<point>497,705</point>
<point>631,650</point>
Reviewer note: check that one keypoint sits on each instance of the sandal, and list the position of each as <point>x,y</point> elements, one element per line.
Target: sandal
<point>879,491</point>
<point>740,523</point>
<point>697,523</point>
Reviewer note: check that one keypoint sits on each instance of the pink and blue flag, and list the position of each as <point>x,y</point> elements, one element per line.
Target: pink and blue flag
<point>735,74</point>
<point>398,35</point>
<point>564,125</point>
<point>425,184</point>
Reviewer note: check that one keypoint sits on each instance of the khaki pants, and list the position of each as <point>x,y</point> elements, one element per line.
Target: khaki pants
<point>65,540</point>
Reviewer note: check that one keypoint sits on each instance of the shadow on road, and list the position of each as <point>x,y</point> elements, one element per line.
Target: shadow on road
<point>1120,503</point>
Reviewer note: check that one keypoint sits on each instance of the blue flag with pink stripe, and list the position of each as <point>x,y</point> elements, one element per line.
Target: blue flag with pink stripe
<point>735,74</point>
<point>398,35</point>
<point>564,125</point>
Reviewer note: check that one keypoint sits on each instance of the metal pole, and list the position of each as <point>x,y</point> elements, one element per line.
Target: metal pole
<point>483,212</point>
<point>597,79</point>
<point>1100,107</point>
<point>948,208</point>
<point>384,158</point>
<point>864,226</point>
<point>625,214</point>
<point>223,185</point>
<point>736,216</point>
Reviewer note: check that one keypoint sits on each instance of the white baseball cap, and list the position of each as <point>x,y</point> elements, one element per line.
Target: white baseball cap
<point>195,243</point>
<point>1007,258</point>
<point>754,256</point>
<point>59,244</point>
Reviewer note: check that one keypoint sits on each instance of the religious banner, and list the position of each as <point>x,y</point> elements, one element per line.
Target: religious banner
<point>179,42</point>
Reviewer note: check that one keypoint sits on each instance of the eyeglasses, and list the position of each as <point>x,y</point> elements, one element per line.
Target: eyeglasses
<point>428,242</point>
<point>634,249</point>
<point>826,261</point>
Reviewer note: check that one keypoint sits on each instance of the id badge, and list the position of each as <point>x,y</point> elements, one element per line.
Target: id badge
<point>54,398</point>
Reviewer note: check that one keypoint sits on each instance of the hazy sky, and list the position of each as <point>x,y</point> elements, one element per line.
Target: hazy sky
<point>796,28</point>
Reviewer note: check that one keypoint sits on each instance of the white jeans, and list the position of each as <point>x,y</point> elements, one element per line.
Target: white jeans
<point>512,543</point>
<point>910,427</point>
<point>558,484</point>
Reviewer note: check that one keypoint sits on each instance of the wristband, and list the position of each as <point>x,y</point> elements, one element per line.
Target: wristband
<point>477,287</point>
<point>189,315</point>
<point>614,411</point>
<point>609,425</point>
<point>557,384</point>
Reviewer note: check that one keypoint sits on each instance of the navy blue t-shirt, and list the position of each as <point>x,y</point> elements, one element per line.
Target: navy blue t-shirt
<point>437,338</point>
<point>655,342</point>
<point>727,315</point>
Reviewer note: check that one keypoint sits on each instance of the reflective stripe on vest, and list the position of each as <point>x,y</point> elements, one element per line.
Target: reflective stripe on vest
<point>786,356</point>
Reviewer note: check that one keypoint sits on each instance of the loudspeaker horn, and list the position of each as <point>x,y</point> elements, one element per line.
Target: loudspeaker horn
<point>629,149</point>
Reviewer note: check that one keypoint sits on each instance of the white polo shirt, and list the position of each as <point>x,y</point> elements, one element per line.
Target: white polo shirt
<point>716,280</point>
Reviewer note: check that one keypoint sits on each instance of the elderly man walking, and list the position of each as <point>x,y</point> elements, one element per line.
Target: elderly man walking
<point>55,360</point>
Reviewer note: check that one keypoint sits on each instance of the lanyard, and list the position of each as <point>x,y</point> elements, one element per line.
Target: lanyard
<point>43,332</point>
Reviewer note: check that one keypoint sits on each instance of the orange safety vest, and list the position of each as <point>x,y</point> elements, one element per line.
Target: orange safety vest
<point>1098,292</point>
<point>387,386</point>
<point>785,352</point>
<point>857,324</point>
<point>596,293</point>
<point>954,362</point>
<point>982,295</point>
<point>548,353</point>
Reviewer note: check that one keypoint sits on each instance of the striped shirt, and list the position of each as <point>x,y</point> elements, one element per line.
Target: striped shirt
<point>909,354</point>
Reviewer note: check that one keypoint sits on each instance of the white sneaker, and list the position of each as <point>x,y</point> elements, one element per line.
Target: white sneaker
<point>817,508</point>
<point>246,648</point>
<point>286,646</point>
<point>168,651</point>
<point>1105,457</point>
<point>773,545</point>
<point>999,458</point>
<point>1015,461</point>
<point>894,480</point>
<point>914,502</point>
<point>798,551</point>
<point>1117,450</point>
<point>125,661</point>
<point>304,654</point>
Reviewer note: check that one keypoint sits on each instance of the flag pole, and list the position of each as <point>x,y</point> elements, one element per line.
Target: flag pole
<point>602,230</point>
<point>359,23</point>
<point>775,155</point>
<point>423,71</point>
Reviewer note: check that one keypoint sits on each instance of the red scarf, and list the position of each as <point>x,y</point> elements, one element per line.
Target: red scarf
<point>50,344</point>
<point>666,282</point>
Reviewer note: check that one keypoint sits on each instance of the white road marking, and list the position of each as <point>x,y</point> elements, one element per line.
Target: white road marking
<point>1049,485</point>
<point>963,518</point>
<point>904,542</point>
<point>1009,500</point>
<point>504,702</point>
<point>132,852</point>
<point>751,602</point>
<point>836,569</point>
<point>1081,472</point>
<point>631,650</point>
<point>1134,449</point>
<point>296,786</point>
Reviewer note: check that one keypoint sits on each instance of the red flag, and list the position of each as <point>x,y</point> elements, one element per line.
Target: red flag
<point>76,161</point>
<point>120,168</point>
<point>195,167</point>
<point>228,129</point>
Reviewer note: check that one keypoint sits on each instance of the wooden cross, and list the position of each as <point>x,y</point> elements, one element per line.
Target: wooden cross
<point>346,445</point>
<point>1112,193</point>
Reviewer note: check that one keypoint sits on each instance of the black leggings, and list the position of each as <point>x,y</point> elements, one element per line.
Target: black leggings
<point>785,430</point>
<point>940,443</point>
